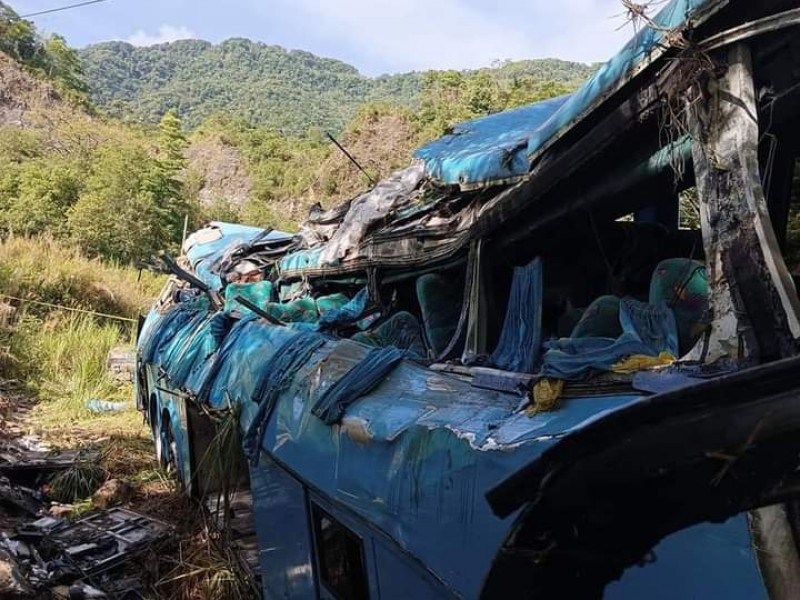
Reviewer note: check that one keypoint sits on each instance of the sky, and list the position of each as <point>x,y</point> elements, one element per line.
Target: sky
<point>376,36</point>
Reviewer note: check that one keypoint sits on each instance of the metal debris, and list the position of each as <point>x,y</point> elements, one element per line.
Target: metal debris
<point>84,559</point>
<point>28,455</point>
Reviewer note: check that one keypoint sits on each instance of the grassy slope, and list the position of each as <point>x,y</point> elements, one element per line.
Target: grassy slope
<point>60,355</point>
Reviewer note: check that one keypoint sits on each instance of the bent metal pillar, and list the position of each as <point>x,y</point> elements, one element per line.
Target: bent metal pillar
<point>753,299</point>
<point>754,303</point>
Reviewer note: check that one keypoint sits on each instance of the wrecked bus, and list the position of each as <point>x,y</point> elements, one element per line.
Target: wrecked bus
<point>521,367</point>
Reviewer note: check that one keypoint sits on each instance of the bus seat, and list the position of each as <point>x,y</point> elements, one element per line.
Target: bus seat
<point>400,330</point>
<point>440,303</point>
<point>682,284</point>
<point>332,302</point>
<point>599,320</point>
<point>303,310</point>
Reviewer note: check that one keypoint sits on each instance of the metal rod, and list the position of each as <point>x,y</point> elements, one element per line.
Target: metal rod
<point>259,311</point>
<point>193,281</point>
<point>350,156</point>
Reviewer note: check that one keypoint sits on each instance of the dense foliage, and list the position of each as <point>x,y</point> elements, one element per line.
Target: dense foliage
<point>108,188</point>
<point>286,90</point>
<point>49,56</point>
<point>256,150</point>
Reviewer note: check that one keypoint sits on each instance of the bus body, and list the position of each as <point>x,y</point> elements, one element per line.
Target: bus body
<point>518,368</point>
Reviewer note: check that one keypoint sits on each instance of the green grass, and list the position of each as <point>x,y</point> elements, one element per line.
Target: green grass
<point>76,483</point>
<point>45,270</point>
<point>62,359</point>
<point>58,354</point>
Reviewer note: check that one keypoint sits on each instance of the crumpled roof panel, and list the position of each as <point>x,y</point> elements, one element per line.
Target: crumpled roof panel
<point>498,148</point>
<point>488,149</point>
<point>205,247</point>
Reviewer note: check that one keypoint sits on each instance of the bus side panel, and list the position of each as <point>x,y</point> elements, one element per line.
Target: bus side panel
<point>180,431</point>
<point>282,527</point>
<point>170,411</point>
<point>708,560</point>
<point>400,578</point>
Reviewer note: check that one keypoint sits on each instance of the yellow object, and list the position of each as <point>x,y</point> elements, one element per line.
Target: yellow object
<point>546,394</point>
<point>640,362</point>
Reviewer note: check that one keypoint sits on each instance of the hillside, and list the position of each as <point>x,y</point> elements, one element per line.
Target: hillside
<point>244,142</point>
<point>287,90</point>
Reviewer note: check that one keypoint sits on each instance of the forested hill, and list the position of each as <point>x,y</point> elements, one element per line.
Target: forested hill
<point>287,90</point>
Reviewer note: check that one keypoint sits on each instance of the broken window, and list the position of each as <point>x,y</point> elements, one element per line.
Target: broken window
<point>340,557</point>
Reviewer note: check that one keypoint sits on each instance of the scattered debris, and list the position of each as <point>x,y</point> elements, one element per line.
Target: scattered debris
<point>12,584</point>
<point>236,529</point>
<point>104,406</point>
<point>29,455</point>
<point>61,511</point>
<point>19,499</point>
<point>122,364</point>
<point>85,556</point>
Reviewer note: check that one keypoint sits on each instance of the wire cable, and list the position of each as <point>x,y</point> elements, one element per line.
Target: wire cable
<point>70,308</point>
<point>60,8</point>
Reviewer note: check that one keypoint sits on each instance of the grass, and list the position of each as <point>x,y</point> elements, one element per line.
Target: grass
<point>59,357</point>
<point>202,570</point>
<point>62,359</point>
<point>48,271</point>
<point>76,483</point>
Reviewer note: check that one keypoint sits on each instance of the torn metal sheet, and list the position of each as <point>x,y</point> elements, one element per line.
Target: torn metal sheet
<point>19,498</point>
<point>619,485</point>
<point>30,456</point>
<point>51,551</point>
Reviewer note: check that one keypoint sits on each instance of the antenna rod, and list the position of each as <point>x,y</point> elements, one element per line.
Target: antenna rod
<point>348,155</point>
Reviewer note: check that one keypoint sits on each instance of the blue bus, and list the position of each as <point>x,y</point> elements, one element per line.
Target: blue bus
<point>556,356</point>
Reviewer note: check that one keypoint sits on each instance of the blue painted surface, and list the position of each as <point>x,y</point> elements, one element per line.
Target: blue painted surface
<point>400,579</point>
<point>362,531</point>
<point>497,148</point>
<point>414,457</point>
<point>488,149</point>
<point>283,531</point>
<point>202,256</point>
<point>430,444</point>
<point>702,562</point>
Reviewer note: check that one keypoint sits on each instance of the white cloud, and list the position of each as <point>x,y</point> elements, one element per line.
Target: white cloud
<point>422,34</point>
<point>166,33</point>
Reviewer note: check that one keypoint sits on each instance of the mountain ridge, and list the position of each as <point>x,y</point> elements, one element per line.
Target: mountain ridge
<point>289,90</point>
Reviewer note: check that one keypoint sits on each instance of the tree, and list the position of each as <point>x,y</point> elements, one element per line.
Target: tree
<point>172,143</point>
<point>49,56</point>
<point>18,37</point>
<point>43,193</point>
<point>167,184</point>
<point>63,66</point>
<point>122,213</point>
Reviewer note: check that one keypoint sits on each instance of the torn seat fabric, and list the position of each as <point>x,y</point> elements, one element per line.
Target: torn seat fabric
<point>647,330</point>
<point>440,304</point>
<point>401,330</point>
<point>344,314</point>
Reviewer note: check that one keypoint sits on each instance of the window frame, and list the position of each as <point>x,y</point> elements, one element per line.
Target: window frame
<point>317,509</point>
